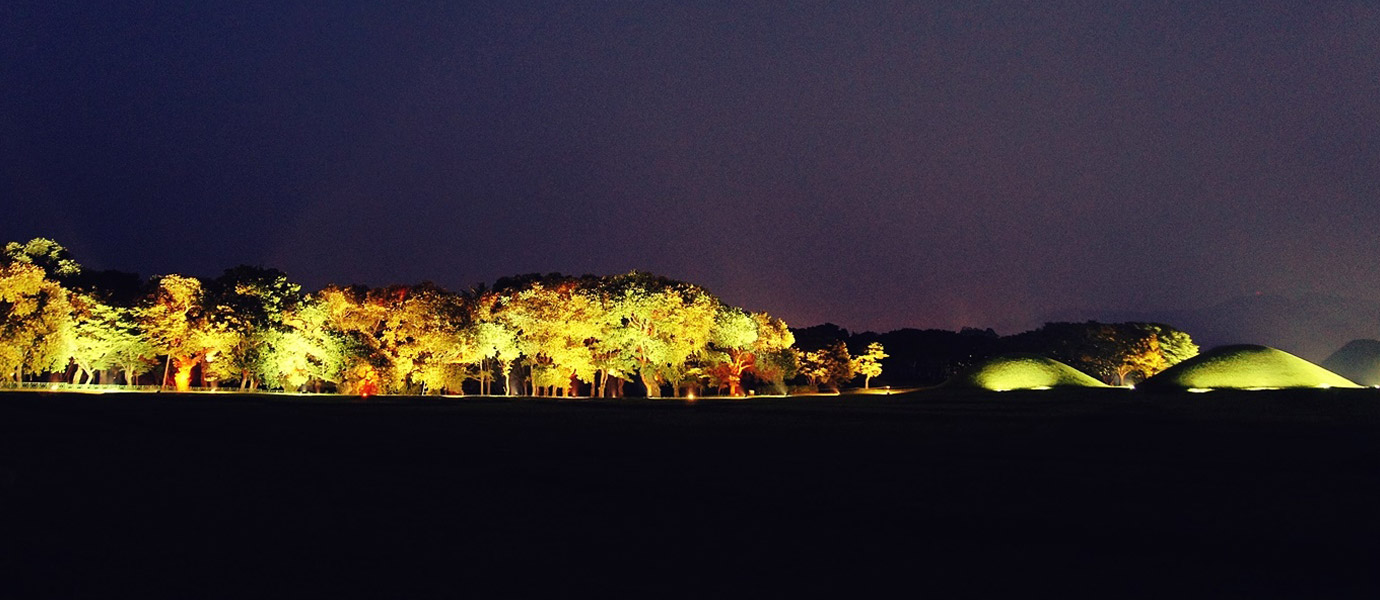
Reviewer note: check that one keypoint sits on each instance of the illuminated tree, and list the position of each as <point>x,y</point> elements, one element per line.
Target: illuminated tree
<point>250,303</point>
<point>869,364</point>
<point>774,361</point>
<point>1145,349</point>
<point>105,337</point>
<point>303,351</point>
<point>740,344</point>
<point>494,341</point>
<point>55,261</point>
<point>555,323</point>
<point>359,317</point>
<point>1177,346</point>
<point>656,326</point>
<point>134,355</point>
<point>36,324</point>
<point>837,365</point>
<point>404,338</point>
<point>177,326</point>
<point>731,340</point>
<point>1112,352</point>
<point>810,365</point>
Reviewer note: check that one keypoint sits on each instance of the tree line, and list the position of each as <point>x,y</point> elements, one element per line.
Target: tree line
<point>252,328</point>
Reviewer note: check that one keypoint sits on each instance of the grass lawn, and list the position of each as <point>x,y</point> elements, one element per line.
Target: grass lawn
<point>1106,492</point>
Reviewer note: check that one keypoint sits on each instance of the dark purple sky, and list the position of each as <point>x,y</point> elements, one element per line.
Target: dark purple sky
<point>874,164</point>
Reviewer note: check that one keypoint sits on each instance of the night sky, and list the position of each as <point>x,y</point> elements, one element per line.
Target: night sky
<point>874,164</point>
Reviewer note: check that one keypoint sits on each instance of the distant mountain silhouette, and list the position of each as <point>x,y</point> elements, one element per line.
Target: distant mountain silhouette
<point>1311,326</point>
<point>1358,361</point>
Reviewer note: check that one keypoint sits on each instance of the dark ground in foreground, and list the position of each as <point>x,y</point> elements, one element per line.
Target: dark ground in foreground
<point>1108,493</point>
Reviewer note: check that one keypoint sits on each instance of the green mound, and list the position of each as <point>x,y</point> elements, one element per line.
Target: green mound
<point>1358,361</point>
<point>1022,372</point>
<point>1245,367</point>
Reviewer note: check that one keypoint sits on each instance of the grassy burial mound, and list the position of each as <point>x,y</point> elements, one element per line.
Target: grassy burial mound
<point>1358,360</point>
<point>1022,372</point>
<point>1245,367</point>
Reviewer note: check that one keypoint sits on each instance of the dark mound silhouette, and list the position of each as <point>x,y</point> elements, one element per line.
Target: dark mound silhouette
<point>1022,372</point>
<point>1245,367</point>
<point>1358,360</point>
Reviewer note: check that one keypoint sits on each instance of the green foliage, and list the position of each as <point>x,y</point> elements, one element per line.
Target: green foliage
<point>655,326</point>
<point>402,338</point>
<point>837,365</point>
<point>744,343</point>
<point>1177,346</point>
<point>555,325</point>
<point>830,366</point>
<point>733,329</point>
<point>55,261</point>
<point>170,317</point>
<point>107,337</point>
<point>37,329</point>
<point>869,364</point>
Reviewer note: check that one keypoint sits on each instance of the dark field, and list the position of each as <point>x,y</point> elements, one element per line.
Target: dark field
<point>1108,493</point>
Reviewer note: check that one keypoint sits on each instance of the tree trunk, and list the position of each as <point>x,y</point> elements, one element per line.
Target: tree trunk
<point>652,385</point>
<point>167,367</point>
